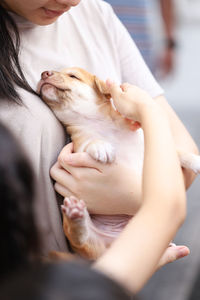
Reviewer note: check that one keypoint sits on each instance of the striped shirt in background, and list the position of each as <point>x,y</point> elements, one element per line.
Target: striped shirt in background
<point>135,15</point>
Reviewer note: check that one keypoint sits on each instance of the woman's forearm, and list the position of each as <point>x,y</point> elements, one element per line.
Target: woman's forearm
<point>133,257</point>
<point>182,138</point>
<point>161,158</point>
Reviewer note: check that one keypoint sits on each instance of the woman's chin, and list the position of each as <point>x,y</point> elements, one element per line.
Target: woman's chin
<point>42,18</point>
<point>43,21</point>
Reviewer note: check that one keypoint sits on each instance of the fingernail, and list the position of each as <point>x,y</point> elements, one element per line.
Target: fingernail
<point>182,252</point>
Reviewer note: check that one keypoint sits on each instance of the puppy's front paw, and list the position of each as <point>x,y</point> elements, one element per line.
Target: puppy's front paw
<point>101,151</point>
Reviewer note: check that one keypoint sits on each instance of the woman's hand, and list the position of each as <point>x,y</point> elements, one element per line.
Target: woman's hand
<point>172,253</point>
<point>129,100</point>
<point>105,188</point>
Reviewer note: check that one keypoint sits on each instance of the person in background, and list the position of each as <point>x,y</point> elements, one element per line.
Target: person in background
<point>136,15</point>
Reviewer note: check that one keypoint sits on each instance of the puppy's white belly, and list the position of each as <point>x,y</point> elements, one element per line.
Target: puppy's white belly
<point>130,149</point>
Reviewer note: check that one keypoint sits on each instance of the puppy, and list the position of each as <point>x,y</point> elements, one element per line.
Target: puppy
<point>80,101</point>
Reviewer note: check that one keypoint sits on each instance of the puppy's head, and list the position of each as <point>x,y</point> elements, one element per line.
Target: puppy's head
<point>72,90</point>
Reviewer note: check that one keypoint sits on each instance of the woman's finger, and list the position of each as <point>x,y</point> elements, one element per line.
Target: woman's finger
<point>112,88</point>
<point>125,86</point>
<point>67,150</point>
<point>83,159</point>
<point>173,253</point>
<point>62,176</point>
<point>62,190</point>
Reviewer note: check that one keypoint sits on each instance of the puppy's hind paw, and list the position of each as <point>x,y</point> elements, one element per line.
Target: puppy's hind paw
<point>73,208</point>
<point>195,164</point>
<point>101,151</point>
<point>190,161</point>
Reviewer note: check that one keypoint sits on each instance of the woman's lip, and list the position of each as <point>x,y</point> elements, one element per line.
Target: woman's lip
<point>53,13</point>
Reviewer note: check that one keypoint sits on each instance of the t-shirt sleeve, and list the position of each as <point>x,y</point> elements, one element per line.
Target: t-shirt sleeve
<point>133,68</point>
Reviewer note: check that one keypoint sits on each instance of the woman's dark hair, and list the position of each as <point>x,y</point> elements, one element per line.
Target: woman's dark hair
<point>18,232</point>
<point>11,74</point>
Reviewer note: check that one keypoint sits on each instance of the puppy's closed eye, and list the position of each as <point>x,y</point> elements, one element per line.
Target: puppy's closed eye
<point>73,76</point>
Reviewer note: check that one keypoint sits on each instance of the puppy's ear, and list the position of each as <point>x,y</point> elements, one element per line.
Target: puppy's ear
<point>101,87</point>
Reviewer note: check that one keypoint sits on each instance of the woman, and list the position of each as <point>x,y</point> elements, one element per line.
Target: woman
<point>89,36</point>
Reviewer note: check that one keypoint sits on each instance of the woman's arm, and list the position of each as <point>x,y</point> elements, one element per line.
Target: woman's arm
<point>166,57</point>
<point>182,138</point>
<point>134,256</point>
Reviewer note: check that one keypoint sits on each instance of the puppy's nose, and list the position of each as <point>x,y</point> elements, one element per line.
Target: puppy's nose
<point>46,74</point>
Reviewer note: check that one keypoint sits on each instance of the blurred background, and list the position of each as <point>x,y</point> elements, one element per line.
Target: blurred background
<point>168,35</point>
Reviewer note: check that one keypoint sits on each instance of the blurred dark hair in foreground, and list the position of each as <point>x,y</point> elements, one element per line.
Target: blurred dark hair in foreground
<point>19,236</point>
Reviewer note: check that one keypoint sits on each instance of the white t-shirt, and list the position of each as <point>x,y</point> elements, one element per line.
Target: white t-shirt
<point>88,36</point>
